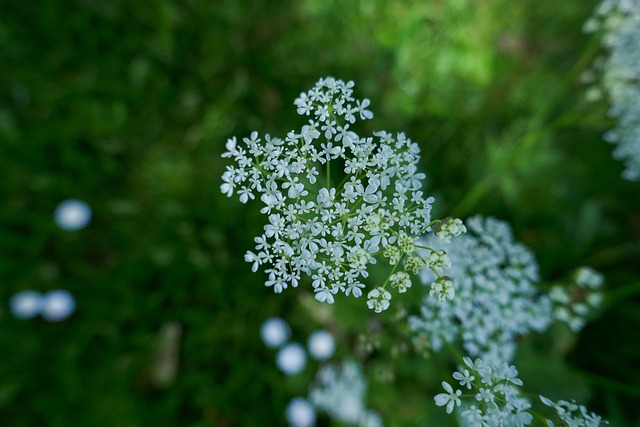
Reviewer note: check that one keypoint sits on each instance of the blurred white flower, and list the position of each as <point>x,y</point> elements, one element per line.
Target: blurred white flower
<point>340,391</point>
<point>275,332</point>
<point>291,359</point>
<point>576,301</point>
<point>300,413</point>
<point>26,304</point>
<point>72,214</point>
<point>57,305</point>
<point>618,24</point>
<point>496,299</point>
<point>321,345</point>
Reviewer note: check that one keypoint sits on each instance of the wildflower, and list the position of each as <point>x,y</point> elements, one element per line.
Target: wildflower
<point>442,288</point>
<point>574,302</point>
<point>400,280</point>
<point>274,332</point>
<point>450,398</point>
<point>321,345</point>
<point>300,413</point>
<point>291,359</point>
<point>340,391</point>
<point>448,228</point>
<point>378,299</point>
<point>72,214</point>
<point>57,305</point>
<point>571,413</point>
<point>495,297</point>
<point>333,233</point>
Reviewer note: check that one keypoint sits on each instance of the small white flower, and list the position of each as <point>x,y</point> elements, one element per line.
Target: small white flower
<point>450,398</point>
<point>465,378</point>
<point>321,345</point>
<point>57,305</point>
<point>72,214</point>
<point>400,280</point>
<point>378,299</point>
<point>332,233</point>
<point>26,304</point>
<point>274,332</point>
<point>442,288</point>
<point>291,359</point>
<point>300,413</point>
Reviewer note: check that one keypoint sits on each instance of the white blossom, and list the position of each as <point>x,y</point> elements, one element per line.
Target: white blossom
<point>340,391</point>
<point>327,232</point>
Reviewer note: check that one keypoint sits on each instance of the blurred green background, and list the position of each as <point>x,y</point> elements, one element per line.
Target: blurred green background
<point>127,106</point>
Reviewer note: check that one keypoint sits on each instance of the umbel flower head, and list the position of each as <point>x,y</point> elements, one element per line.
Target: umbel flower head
<point>496,299</point>
<point>618,22</point>
<point>495,392</point>
<point>335,202</point>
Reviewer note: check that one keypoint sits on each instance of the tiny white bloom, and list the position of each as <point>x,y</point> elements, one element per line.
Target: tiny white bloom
<point>450,398</point>
<point>291,359</point>
<point>57,305</point>
<point>300,413</point>
<point>274,332</point>
<point>72,214</point>
<point>26,304</point>
<point>321,345</point>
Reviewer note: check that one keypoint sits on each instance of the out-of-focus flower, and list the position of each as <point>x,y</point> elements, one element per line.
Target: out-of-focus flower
<point>340,391</point>
<point>576,301</point>
<point>300,413</point>
<point>321,345</point>
<point>275,332</point>
<point>72,214</point>
<point>26,304</point>
<point>57,305</point>
<point>291,359</point>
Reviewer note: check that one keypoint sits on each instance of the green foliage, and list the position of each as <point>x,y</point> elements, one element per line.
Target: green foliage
<point>127,106</point>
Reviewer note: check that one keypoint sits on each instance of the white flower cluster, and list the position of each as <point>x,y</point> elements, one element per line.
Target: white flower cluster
<point>496,299</point>
<point>619,23</point>
<point>574,303</point>
<point>340,391</point>
<point>497,400</point>
<point>327,231</point>
<point>572,414</point>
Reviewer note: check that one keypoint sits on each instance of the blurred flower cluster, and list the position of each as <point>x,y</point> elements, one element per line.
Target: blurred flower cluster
<point>496,297</point>
<point>618,23</point>
<point>340,391</point>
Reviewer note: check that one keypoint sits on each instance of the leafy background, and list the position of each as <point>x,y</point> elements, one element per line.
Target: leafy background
<point>127,106</point>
